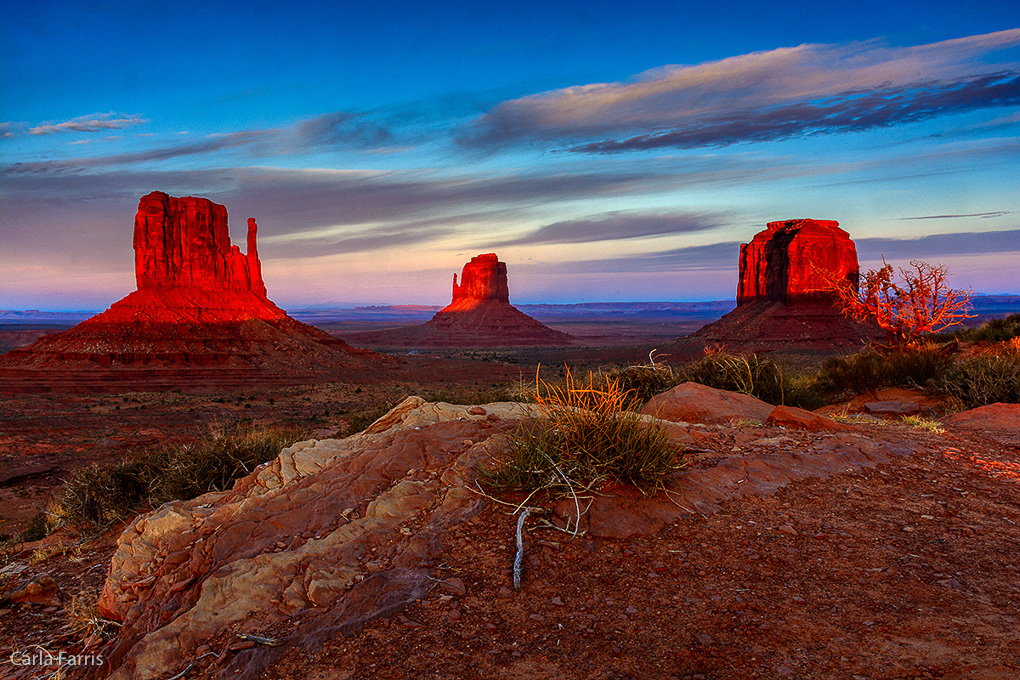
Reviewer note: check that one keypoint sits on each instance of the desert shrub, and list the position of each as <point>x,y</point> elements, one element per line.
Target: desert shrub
<point>907,307</point>
<point>870,370</point>
<point>842,376</point>
<point>993,330</point>
<point>590,435</point>
<point>801,391</point>
<point>214,464</point>
<point>359,420</point>
<point>644,382</point>
<point>102,493</point>
<point>32,530</point>
<point>760,377</point>
<point>981,380</point>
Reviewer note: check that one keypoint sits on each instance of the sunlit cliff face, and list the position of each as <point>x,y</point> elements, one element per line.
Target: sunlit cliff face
<point>792,260</point>
<point>483,280</point>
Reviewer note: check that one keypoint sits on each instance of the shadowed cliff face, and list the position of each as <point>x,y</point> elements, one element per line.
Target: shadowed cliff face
<point>783,263</point>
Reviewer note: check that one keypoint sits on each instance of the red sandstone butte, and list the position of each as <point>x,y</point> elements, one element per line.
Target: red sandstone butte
<point>783,263</point>
<point>184,243</point>
<point>479,315</point>
<point>200,302</point>
<point>781,298</point>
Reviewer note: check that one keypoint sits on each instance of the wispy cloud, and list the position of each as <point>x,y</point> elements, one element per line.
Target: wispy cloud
<point>337,130</point>
<point>762,96</point>
<point>940,245</point>
<point>305,212</point>
<point>342,129</point>
<point>97,122</point>
<point>618,225</point>
<point>209,145</point>
<point>986,215</point>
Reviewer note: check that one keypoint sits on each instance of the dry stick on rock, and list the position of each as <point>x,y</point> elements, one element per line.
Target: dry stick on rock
<point>520,548</point>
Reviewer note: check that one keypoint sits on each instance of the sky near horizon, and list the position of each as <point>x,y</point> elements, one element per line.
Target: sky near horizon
<point>606,151</point>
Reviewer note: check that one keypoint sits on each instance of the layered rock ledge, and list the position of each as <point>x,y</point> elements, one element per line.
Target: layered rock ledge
<point>334,533</point>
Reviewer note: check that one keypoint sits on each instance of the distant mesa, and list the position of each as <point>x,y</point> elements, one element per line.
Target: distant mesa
<point>781,298</point>
<point>479,315</point>
<point>200,303</point>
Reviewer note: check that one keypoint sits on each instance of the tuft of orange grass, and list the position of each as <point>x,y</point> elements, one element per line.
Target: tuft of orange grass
<point>589,435</point>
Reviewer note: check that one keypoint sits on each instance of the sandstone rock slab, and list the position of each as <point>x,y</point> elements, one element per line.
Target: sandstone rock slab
<point>997,417</point>
<point>799,419</point>
<point>691,402</point>
<point>893,408</point>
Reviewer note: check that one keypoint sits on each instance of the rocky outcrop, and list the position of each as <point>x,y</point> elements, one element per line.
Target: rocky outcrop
<point>692,402</point>
<point>993,417</point>
<point>330,534</point>
<point>334,533</point>
<point>787,261</point>
<point>200,303</point>
<point>799,419</point>
<point>782,301</point>
<point>479,315</point>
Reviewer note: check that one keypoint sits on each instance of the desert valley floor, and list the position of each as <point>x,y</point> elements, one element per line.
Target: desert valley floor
<point>773,557</point>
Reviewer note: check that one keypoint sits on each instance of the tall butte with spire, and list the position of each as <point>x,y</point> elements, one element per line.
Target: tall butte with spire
<point>479,315</point>
<point>200,303</point>
<point>782,302</point>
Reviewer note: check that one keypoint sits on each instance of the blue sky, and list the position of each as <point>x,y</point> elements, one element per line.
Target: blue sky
<point>606,151</point>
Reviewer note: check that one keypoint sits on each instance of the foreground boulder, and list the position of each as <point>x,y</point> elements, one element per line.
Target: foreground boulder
<point>998,417</point>
<point>333,532</point>
<point>692,402</point>
<point>799,419</point>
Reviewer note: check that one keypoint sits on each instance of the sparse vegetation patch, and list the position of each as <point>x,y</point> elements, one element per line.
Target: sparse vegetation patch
<point>101,494</point>
<point>981,380</point>
<point>590,436</point>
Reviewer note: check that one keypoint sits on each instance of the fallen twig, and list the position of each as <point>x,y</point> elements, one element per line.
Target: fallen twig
<point>190,666</point>
<point>519,559</point>
<point>259,640</point>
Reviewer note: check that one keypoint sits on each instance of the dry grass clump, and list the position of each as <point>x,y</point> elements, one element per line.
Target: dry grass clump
<point>589,436</point>
<point>922,423</point>
<point>83,617</point>
<point>982,379</point>
<point>761,377</point>
<point>645,381</point>
<point>845,376</point>
<point>103,493</point>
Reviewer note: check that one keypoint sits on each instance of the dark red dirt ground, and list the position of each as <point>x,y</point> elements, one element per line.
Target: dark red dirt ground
<point>908,570</point>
